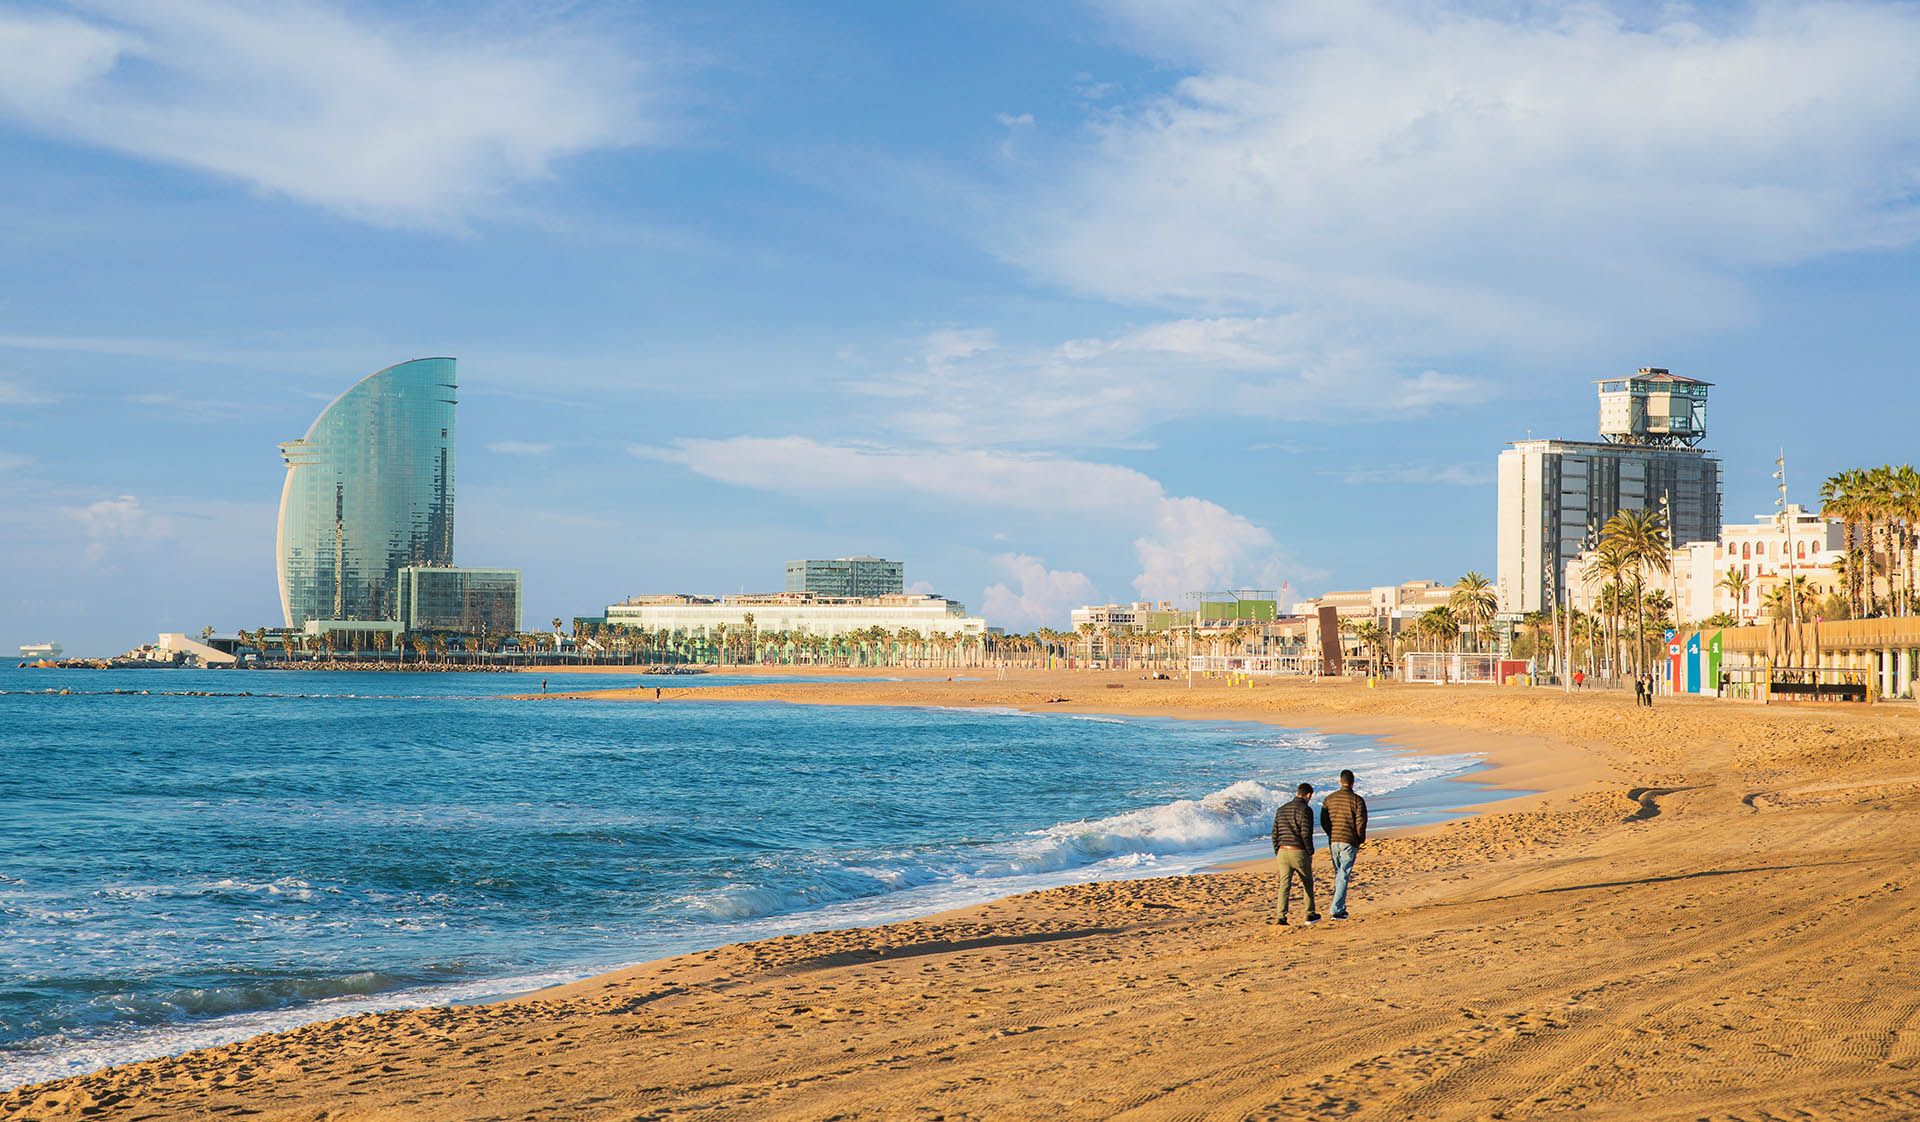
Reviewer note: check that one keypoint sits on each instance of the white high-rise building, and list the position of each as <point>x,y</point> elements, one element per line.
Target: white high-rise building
<point>1554,493</point>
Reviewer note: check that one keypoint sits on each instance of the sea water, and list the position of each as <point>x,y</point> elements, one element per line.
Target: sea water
<point>188,858</point>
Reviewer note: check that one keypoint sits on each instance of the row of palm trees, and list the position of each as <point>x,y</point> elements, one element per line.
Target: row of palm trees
<point>1472,603</point>
<point>1634,550</point>
<point>1880,510</point>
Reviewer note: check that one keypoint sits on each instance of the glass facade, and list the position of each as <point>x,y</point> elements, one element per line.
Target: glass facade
<point>847,576</point>
<point>467,601</point>
<point>369,490</point>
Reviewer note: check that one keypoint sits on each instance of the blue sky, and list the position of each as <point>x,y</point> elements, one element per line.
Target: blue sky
<point>1055,303</point>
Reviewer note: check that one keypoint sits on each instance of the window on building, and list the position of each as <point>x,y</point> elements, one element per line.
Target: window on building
<point>1746,550</point>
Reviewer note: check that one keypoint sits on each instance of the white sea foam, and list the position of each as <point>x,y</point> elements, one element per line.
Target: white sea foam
<point>1170,837</point>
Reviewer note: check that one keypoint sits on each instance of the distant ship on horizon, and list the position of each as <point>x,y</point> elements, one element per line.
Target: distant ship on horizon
<point>37,651</point>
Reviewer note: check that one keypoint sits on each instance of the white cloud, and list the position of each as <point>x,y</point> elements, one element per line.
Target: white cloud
<point>519,448</point>
<point>1182,544</point>
<point>799,465</point>
<point>111,525</point>
<point>1199,546</point>
<point>1015,124</point>
<point>1452,475</point>
<point>1474,176</point>
<point>968,389</point>
<point>13,392</point>
<point>1037,597</point>
<point>197,408</point>
<point>949,345</point>
<point>391,124</point>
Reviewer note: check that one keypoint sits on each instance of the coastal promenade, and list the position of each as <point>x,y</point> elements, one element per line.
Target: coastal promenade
<point>1704,911</point>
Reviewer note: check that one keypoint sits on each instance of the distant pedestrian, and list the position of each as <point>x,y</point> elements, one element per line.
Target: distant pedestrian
<point>1649,701</point>
<point>656,695</point>
<point>543,685</point>
<point>1293,852</point>
<point>1579,679</point>
<point>1343,815</point>
<point>1639,690</point>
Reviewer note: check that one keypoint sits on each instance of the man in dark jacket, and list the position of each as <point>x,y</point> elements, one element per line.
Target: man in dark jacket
<point>1293,851</point>
<point>1343,815</point>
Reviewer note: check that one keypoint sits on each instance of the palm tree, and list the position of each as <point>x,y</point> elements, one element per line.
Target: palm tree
<point>1440,626</point>
<point>1906,487</point>
<point>1801,590</point>
<point>1372,637</point>
<point>1840,499</point>
<point>1736,583</point>
<point>1659,610</point>
<point>1607,567</point>
<point>1641,538</point>
<point>1474,602</point>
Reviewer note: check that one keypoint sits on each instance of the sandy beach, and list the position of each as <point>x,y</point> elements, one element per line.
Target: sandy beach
<point>1703,911</point>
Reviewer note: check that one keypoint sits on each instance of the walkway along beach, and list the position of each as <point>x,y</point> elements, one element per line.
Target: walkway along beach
<point>1705,913</point>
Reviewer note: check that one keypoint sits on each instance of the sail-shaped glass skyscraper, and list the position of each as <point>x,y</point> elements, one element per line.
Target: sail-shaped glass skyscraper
<point>369,489</point>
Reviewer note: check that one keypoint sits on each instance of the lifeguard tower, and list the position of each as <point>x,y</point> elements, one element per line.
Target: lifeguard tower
<point>1654,408</point>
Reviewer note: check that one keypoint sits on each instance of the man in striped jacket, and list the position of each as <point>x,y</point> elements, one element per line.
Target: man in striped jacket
<point>1293,852</point>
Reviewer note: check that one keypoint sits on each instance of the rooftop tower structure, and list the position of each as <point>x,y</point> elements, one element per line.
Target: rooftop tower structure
<point>369,490</point>
<point>1655,408</point>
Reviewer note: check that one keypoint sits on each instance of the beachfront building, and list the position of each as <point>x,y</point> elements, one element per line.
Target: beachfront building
<point>797,613</point>
<point>1771,550</point>
<point>1554,495</point>
<point>1390,605</point>
<point>1142,617</point>
<point>368,491</point>
<point>1735,574</point>
<point>847,577</point>
<point>1103,628</point>
<point>466,601</point>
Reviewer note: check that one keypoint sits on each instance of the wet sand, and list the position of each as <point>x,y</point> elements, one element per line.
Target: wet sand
<point>1707,911</point>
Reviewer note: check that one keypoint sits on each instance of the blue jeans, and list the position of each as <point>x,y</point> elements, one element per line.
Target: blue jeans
<point>1342,855</point>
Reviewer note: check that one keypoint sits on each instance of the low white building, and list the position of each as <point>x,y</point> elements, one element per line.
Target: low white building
<point>1141,616</point>
<point>1389,604</point>
<point>798,613</point>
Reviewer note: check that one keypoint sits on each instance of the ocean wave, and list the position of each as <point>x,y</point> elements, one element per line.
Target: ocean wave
<point>1131,841</point>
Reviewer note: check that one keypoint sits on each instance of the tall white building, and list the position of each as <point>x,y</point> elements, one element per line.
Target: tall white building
<point>1554,493</point>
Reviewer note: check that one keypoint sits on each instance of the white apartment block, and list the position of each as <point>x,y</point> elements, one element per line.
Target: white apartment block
<point>1388,603</point>
<point>1139,616</point>
<point>799,613</point>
